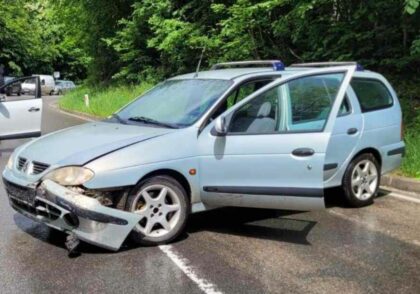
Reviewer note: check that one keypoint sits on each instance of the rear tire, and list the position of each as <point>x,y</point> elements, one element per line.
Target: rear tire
<point>164,205</point>
<point>361,180</point>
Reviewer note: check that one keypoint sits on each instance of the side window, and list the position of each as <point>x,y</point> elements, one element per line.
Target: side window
<point>19,89</point>
<point>345,107</point>
<point>300,105</point>
<point>311,99</point>
<point>240,93</point>
<point>372,94</point>
<point>260,115</point>
<point>246,90</point>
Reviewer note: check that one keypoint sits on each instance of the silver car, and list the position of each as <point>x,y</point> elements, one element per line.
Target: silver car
<point>62,87</point>
<point>248,134</point>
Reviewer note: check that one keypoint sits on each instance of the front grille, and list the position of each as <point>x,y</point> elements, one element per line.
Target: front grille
<point>39,208</point>
<point>39,167</point>
<point>24,198</point>
<point>35,167</point>
<point>21,163</point>
<point>23,194</point>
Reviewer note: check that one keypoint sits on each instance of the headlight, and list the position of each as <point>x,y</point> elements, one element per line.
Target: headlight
<point>10,162</point>
<point>70,175</point>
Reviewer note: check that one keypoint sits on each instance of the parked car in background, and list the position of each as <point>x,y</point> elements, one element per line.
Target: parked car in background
<point>250,134</point>
<point>20,116</point>
<point>61,87</point>
<point>47,85</point>
<point>13,88</point>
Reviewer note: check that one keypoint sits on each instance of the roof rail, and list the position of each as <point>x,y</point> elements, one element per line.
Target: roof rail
<point>328,63</point>
<point>275,64</point>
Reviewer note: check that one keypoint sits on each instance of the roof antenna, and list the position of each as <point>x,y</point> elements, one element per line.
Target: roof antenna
<point>199,62</point>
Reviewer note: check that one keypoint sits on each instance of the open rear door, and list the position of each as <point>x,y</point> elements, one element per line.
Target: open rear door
<point>273,155</point>
<point>20,108</point>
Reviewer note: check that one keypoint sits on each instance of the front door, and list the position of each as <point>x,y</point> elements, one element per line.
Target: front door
<point>273,154</point>
<point>20,109</point>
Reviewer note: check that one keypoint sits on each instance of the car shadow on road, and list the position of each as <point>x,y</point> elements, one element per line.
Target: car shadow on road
<point>255,223</point>
<point>277,225</point>
<point>51,236</point>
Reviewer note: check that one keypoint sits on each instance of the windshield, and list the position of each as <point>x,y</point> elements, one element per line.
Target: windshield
<point>175,103</point>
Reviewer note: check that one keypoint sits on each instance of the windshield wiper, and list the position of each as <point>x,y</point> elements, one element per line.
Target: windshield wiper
<point>152,121</point>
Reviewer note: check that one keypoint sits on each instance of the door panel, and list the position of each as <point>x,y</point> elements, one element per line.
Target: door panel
<point>344,140</point>
<point>259,163</point>
<point>20,109</point>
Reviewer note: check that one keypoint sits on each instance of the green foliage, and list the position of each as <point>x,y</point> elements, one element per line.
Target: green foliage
<point>411,6</point>
<point>411,163</point>
<point>102,101</point>
<point>133,40</point>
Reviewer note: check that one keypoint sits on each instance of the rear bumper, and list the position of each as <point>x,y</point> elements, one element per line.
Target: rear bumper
<point>392,156</point>
<point>65,210</point>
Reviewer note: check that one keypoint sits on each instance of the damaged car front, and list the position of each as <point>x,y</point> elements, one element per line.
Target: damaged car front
<point>87,180</point>
<point>54,194</point>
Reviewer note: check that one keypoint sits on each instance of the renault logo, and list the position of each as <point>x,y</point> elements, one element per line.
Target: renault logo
<point>28,168</point>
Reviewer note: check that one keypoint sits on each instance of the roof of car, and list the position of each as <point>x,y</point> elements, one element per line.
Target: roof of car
<point>230,73</point>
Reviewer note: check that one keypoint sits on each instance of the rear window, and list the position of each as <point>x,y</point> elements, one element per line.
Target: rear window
<point>372,94</point>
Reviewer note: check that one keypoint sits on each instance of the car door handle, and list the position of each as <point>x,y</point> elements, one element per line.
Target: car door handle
<point>33,109</point>
<point>302,152</point>
<point>352,131</point>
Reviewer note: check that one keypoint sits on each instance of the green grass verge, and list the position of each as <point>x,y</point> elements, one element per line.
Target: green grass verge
<point>102,102</point>
<point>411,163</point>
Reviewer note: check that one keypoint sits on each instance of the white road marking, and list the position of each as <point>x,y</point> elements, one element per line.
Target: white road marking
<point>206,286</point>
<point>404,197</point>
<point>54,106</point>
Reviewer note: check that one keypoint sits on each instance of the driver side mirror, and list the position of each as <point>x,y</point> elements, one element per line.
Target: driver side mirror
<point>220,127</point>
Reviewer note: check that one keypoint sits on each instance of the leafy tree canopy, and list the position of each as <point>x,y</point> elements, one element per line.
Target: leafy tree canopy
<point>130,40</point>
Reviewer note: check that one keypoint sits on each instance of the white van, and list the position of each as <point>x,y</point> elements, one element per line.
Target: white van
<point>47,85</point>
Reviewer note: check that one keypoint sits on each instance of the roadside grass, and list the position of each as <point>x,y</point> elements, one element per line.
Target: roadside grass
<point>102,101</point>
<point>411,164</point>
<point>105,101</point>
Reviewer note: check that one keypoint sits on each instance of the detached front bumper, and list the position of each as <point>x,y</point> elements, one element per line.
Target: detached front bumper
<point>68,211</point>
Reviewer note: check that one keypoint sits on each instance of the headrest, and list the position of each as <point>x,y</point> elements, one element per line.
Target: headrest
<point>265,109</point>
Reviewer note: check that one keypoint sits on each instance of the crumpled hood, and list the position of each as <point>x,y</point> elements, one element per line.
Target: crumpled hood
<point>81,144</point>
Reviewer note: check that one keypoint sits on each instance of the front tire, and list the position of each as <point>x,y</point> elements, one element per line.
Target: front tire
<point>164,206</point>
<point>361,180</point>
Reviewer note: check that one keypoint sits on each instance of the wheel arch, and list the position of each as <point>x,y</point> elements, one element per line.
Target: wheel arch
<point>375,152</point>
<point>172,173</point>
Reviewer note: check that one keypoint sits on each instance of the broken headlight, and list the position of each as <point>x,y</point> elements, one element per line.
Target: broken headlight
<point>70,175</point>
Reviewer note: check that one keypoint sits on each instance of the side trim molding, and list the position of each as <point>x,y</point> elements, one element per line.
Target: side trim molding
<point>397,151</point>
<point>270,191</point>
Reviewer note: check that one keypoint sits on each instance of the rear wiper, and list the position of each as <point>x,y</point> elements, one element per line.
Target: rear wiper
<point>152,121</point>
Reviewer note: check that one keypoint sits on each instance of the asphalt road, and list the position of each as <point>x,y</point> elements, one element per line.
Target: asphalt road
<point>375,249</point>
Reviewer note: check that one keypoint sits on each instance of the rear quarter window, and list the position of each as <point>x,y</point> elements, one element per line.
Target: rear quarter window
<point>372,94</point>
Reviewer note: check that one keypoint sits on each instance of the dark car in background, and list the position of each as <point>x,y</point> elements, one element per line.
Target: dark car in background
<point>13,89</point>
<point>61,87</point>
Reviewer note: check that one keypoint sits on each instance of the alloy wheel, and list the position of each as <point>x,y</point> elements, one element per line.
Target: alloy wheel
<point>364,179</point>
<point>160,209</point>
